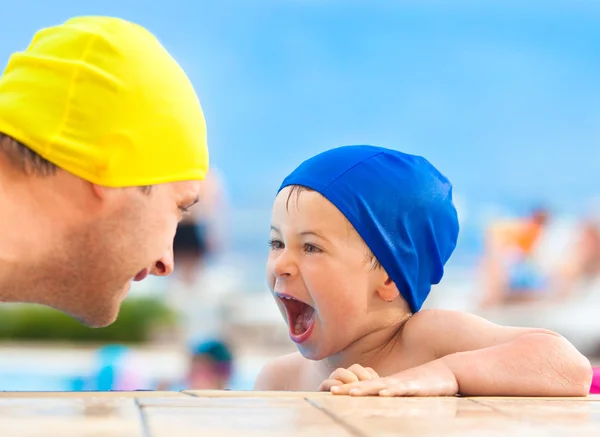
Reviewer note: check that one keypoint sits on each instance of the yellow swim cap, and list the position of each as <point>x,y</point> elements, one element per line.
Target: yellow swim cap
<point>101,98</point>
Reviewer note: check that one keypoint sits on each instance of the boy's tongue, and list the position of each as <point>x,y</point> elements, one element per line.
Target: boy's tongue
<point>300,315</point>
<point>303,320</point>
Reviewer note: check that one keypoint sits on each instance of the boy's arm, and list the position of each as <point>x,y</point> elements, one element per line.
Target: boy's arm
<point>473,356</point>
<point>279,374</point>
<point>489,359</point>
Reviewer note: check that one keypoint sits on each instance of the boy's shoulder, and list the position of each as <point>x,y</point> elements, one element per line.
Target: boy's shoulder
<point>292,361</point>
<point>422,333</point>
<point>430,327</point>
<point>282,373</point>
<point>429,320</point>
<point>443,332</point>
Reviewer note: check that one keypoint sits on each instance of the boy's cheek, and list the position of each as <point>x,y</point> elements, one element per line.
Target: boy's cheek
<point>339,306</point>
<point>337,314</point>
<point>270,282</point>
<point>269,274</point>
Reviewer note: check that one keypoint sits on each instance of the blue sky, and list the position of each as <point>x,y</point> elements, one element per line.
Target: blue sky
<point>503,97</point>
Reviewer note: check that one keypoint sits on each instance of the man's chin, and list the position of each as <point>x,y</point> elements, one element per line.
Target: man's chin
<point>97,321</point>
<point>125,291</point>
<point>94,316</point>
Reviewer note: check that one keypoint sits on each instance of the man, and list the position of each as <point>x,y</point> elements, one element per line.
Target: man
<point>102,150</point>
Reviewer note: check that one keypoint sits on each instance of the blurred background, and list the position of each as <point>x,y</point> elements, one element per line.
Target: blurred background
<point>502,96</point>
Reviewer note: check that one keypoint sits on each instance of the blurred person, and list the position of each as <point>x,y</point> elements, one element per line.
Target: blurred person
<point>510,271</point>
<point>210,368</point>
<point>192,291</point>
<point>102,151</point>
<point>199,235</point>
<point>580,266</point>
<point>531,261</point>
<point>116,368</point>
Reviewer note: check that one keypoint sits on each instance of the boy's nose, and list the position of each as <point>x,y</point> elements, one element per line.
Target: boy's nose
<point>284,266</point>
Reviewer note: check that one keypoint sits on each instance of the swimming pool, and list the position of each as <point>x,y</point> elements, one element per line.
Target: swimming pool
<point>75,369</point>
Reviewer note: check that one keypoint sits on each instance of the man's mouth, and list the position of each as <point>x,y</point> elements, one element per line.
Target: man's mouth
<point>300,315</point>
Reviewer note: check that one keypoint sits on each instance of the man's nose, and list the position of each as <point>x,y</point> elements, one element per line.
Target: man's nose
<point>165,265</point>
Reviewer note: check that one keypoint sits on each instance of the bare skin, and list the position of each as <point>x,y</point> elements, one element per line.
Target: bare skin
<point>364,341</point>
<point>464,355</point>
<point>76,246</point>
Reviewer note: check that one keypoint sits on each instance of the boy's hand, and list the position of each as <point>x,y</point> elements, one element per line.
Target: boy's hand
<point>352,374</point>
<point>431,379</point>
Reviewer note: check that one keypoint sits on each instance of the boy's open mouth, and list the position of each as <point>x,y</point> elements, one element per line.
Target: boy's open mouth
<point>301,317</point>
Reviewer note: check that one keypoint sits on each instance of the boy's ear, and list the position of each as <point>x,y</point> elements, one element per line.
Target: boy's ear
<point>388,290</point>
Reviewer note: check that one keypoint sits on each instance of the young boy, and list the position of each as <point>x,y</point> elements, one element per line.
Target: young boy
<point>358,236</point>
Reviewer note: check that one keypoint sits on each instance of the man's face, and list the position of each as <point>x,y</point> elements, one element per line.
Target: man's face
<point>126,235</point>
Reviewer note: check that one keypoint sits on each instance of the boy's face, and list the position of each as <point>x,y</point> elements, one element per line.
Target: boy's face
<point>318,271</point>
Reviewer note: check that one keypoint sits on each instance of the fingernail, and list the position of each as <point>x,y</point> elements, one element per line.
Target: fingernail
<point>336,388</point>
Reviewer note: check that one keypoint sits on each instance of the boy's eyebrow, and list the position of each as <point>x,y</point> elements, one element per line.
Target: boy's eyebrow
<point>303,233</point>
<point>315,233</point>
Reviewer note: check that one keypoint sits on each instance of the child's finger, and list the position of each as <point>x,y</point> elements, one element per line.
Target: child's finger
<point>362,388</point>
<point>372,372</point>
<point>329,383</point>
<point>362,373</point>
<point>344,375</point>
<point>397,387</point>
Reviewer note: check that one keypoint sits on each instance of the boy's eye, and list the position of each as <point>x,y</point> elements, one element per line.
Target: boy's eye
<point>275,245</point>
<point>310,248</point>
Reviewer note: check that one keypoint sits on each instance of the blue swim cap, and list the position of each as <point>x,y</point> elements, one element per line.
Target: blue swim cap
<point>400,205</point>
<point>215,349</point>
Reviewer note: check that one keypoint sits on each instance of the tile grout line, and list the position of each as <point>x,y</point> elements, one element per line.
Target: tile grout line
<point>497,410</point>
<point>504,413</point>
<point>337,419</point>
<point>529,421</point>
<point>143,419</point>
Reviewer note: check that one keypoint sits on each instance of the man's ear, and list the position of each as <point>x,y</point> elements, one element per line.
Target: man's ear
<point>104,193</point>
<point>388,290</point>
<point>107,196</point>
<point>99,191</point>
